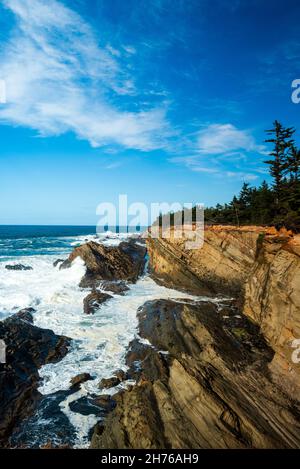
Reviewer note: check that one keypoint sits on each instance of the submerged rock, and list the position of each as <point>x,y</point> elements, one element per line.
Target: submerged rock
<point>79,379</point>
<point>18,267</point>
<point>117,287</point>
<point>26,314</point>
<point>123,262</point>
<point>27,349</point>
<point>107,383</point>
<point>92,302</point>
<point>57,262</point>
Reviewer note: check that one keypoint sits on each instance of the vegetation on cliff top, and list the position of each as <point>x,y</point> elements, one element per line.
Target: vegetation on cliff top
<point>277,204</point>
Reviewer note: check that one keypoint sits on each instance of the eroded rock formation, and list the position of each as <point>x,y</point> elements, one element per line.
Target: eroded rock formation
<point>123,262</point>
<point>216,375</point>
<point>207,385</point>
<point>27,349</point>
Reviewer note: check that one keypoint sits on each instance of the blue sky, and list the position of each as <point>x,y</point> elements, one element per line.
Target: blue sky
<point>163,100</point>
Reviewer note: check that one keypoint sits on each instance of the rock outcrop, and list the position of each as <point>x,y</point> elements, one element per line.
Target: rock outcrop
<point>257,266</point>
<point>93,301</point>
<point>27,349</point>
<point>123,262</point>
<point>220,266</point>
<point>215,374</point>
<point>79,379</point>
<point>272,300</point>
<point>208,385</point>
<point>18,267</point>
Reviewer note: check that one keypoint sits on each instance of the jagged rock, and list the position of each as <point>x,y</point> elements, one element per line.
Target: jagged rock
<point>27,349</point>
<point>259,266</point>
<point>144,362</point>
<point>116,287</point>
<point>26,314</point>
<point>221,265</point>
<point>79,379</point>
<point>121,375</point>
<point>92,302</point>
<point>107,383</point>
<point>212,391</point>
<point>272,300</point>
<point>18,267</point>
<point>57,262</point>
<point>105,401</point>
<point>123,262</point>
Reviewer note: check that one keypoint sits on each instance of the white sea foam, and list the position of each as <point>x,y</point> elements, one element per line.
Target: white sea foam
<point>99,340</point>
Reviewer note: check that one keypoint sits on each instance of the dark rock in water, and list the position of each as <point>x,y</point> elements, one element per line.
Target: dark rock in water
<point>104,401</point>
<point>18,267</point>
<point>118,287</point>
<point>26,314</point>
<point>79,379</point>
<point>27,349</point>
<point>123,262</point>
<point>121,375</point>
<point>86,406</point>
<point>58,261</point>
<point>144,362</point>
<point>204,383</point>
<point>92,302</point>
<point>107,383</point>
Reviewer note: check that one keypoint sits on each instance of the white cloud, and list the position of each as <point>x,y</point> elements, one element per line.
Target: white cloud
<point>221,150</point>
<point>225,139</point>
<point>59,79</point>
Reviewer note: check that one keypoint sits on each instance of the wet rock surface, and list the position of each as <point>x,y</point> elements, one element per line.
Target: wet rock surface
<point>26,314</point>
<point>116,287</point>
<point>93,301</point>
<point>123,262</point>
<point>202,383</point>
<point>27,349</point>
<point>57,262</point>
<point>79,379</point>
<point>18,267</point>
<point>107,383</point>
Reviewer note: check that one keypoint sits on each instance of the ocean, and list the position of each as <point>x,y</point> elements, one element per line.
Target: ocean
<point>99,341</point>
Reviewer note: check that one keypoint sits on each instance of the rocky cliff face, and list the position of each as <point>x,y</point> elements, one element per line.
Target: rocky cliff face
<point>204,383</point>
<point>221,266</point>
<point>272,300</point>
<point>219,372</point>
<point>260,267</point>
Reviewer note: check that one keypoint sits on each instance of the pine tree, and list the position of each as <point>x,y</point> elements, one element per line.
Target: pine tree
<point>294,163</point>
<point>283,144</point>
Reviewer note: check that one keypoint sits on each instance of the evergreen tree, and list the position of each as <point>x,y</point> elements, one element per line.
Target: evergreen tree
<point>294,163</point>
<point>279,164</point>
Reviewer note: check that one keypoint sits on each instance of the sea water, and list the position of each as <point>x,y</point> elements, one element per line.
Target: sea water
<point>99,341</point>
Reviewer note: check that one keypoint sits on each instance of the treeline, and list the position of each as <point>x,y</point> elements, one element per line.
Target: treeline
<point>275,204</point>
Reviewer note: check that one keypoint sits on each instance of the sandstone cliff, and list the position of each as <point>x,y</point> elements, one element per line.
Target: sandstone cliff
<point>258,266</point>
<point>218,373</point>
<point>220,266</point>
<point>204,383</point>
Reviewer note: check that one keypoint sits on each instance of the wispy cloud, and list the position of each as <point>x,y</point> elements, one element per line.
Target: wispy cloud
<point>218,147</point>
<point>59,78</point>
<point>226,139</point>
